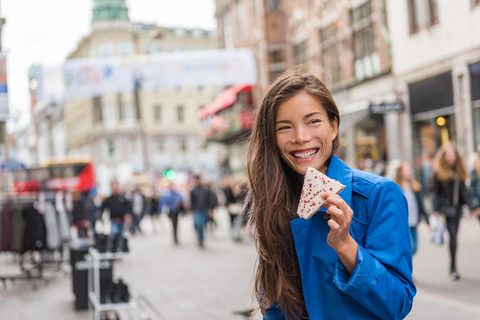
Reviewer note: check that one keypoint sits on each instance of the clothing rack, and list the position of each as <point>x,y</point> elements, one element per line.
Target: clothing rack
<point>31,264</point>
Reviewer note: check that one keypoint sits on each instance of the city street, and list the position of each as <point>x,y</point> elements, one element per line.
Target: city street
<point>184,282</point>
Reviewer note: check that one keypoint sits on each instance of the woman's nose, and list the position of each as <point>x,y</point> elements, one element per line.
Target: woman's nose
<point>302,135</point>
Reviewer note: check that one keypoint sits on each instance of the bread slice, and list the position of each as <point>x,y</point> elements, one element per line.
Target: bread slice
<point>315,184</point>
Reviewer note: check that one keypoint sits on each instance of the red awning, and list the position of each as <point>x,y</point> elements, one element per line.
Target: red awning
<point>223,100</point>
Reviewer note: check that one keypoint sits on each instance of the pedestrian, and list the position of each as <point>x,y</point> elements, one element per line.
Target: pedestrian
<point>229,199</point>
<point>413,192</point>
<point>450,194</point>
<point>138,209</point>
<point>355,265</point>
<point>119,212</point>
<point>212,205</point>
<point>474,188</point>
<point>199,205</point>
<point>173,202</point>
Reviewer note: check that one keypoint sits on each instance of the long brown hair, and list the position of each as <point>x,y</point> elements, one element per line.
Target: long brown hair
<point>446,172</point>
<point>399,179</point>
<point>275,190</point>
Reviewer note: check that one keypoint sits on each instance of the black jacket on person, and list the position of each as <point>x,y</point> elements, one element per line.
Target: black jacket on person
<point>199,198</point>
<point>421,207</point>
<point>117,205</point>
<point>443,194</point>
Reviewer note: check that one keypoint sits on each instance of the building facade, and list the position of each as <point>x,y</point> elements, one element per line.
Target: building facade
<point>436,51</point>
<point>143,132</point>
<point>346,43</point>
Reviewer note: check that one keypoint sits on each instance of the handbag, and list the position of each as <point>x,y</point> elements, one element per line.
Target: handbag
<point>450,211</point>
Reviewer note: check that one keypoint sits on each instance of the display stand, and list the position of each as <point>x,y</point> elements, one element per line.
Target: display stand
<point>95,259</point>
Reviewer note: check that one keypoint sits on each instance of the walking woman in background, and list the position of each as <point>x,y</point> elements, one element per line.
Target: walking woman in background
<point>450,194</point>
<point>474,189</point>
<point>355,265</point>
<point>413,192</point>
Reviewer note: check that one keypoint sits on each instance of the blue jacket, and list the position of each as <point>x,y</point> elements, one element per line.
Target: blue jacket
<point>172,200</point>
<point>380,286</point>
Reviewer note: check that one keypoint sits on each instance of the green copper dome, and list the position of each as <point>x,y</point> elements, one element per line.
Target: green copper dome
<point>110,10</point>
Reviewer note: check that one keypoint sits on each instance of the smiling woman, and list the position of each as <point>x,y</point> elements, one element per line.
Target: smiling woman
<point>360,264</point>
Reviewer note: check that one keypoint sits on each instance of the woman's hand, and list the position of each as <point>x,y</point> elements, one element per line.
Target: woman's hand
<point>339,237</point>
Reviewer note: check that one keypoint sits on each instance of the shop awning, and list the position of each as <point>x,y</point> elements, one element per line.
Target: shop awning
<point>223,100</point>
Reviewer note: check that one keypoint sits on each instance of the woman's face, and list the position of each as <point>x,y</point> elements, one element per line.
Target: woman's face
<point>406,172</point>
<point>450,156</point>
<point>304,133</point>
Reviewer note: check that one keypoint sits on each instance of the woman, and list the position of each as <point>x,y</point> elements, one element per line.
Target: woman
<point>450,194</point>
<point>357,265</point>
<point>412,190</point>
<point>474,189</point>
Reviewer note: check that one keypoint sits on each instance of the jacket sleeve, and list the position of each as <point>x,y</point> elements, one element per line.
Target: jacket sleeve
<point>382,279</point>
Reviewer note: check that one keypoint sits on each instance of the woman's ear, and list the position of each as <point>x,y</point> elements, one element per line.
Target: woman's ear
<point>334,127</point>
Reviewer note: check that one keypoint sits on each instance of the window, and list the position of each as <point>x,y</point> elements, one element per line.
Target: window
<point>111,148</point>
<point>157,114</point>
<point>272,5</point>
<point>366,62</point>
<point>121,111</point>
<point>180,114</point>
<point>331,52</point>
<point>106,50</point>
<point>300,52</point>
<point>414,15</point>
<point>277,56</point>
<point>433,10</point>
<point>133,144</point>
<point>183,145</point>
<point>200,89</point>
<point>126,49</point>
<point>159,146</point>
<point>97,110</point>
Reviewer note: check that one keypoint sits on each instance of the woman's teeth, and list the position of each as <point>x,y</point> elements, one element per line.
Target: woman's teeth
<point>304,155</point>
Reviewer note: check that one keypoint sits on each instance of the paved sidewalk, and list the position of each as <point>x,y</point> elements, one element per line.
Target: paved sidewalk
<point>184,282</point>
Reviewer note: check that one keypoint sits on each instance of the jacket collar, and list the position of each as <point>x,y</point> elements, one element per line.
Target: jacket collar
<point>339,171</point>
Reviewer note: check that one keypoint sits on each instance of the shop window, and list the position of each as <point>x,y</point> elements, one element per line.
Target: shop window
<point>159,146</point>
<point>475,80</point>
<point>111,149</point>
<point>370,145</point>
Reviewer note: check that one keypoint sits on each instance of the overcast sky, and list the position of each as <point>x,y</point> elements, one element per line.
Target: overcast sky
<point>46,31</point>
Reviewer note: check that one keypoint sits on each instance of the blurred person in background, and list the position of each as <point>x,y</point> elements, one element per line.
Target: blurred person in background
<point>212,204</point>
<point>92,208</point>
<point>173,202</point>
<point>199,196</point>
<point>474,189</point>
<point>80,214</point>
<point>413,192</point>
<point>138,209</point>
<point>450,194</point>
<point>119,209</point>
<point>229,199</point>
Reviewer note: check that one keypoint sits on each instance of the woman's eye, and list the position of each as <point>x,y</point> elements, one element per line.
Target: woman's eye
<point>315,121</point>
<point>283,128</point>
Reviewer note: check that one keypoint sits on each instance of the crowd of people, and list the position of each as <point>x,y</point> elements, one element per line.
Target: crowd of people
<point>127,208</point>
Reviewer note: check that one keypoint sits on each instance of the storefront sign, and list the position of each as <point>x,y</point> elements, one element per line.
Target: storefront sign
<point>386,107</point>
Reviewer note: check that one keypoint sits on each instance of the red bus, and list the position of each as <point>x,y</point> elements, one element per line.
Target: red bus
<point>73,174</point>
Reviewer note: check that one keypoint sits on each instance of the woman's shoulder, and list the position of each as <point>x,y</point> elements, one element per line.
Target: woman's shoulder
<point>365,182</point>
